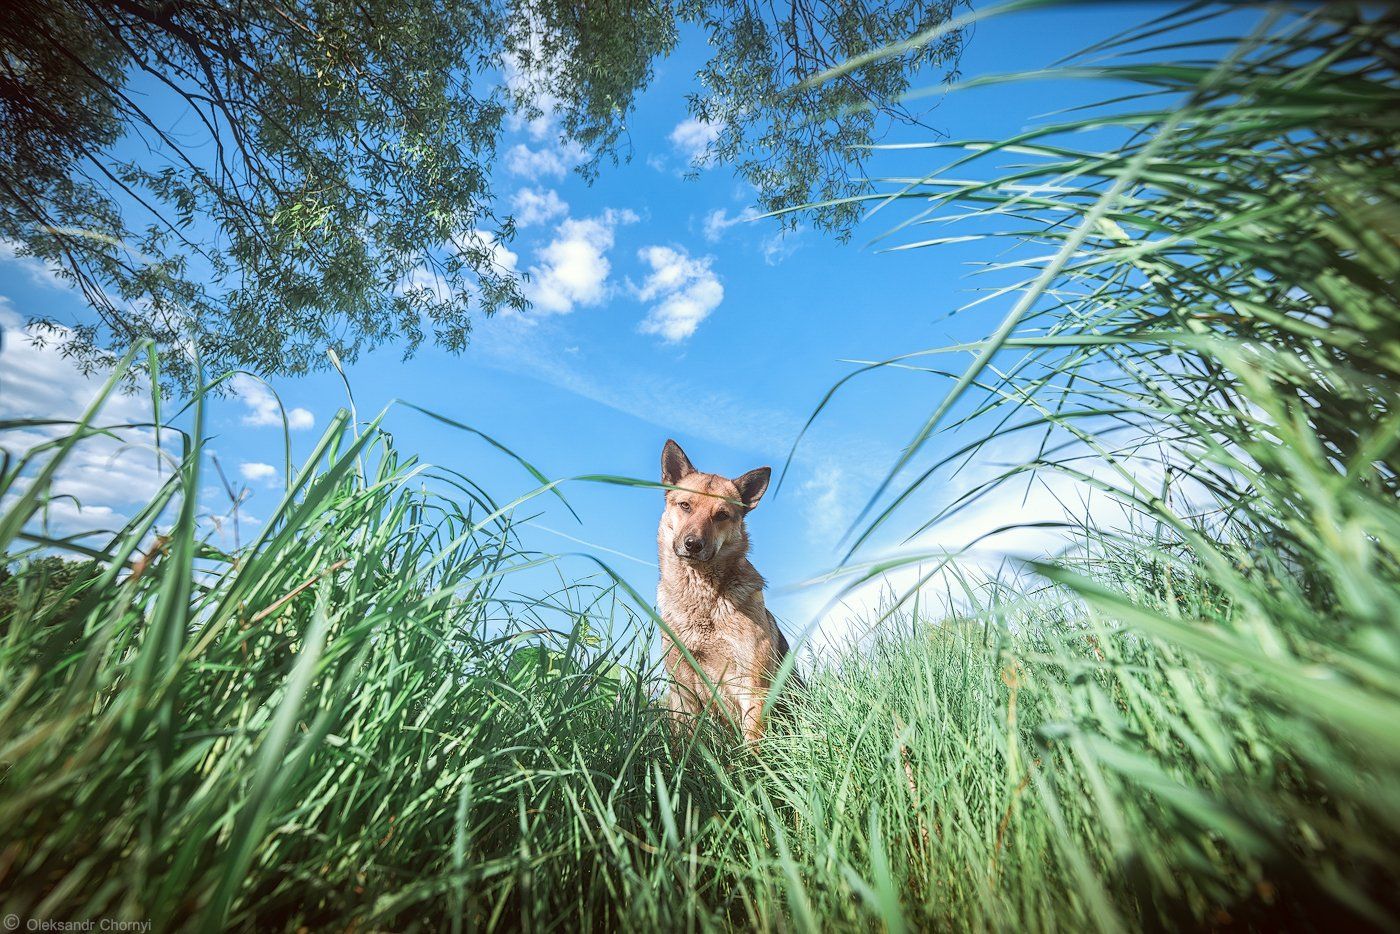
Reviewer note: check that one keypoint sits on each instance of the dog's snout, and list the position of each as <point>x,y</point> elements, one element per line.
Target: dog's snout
<point>692,543</point>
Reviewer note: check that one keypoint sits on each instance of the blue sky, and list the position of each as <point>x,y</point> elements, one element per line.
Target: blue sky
<point>659,312</point>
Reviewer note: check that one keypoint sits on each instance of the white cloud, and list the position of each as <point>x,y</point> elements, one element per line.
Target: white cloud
<point>692,138</point>
<point>537,127</point>
<point>526,89</point>
<point>102,476</point>
<point>425,277</point>
<point>537,206</point>
<point>502,257</point>
<point>36,382</point>
<point>105,479</point>
<point>684,288</point>
<point>254,471</point>
<point>262,406</point>
<point>552,160</point>
<point>537,116</point>
<point>541,126</point>
<point>1028,517</point>
<point>574,266</point>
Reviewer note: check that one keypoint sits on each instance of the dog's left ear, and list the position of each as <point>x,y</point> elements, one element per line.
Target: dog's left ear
<point>752,486</point>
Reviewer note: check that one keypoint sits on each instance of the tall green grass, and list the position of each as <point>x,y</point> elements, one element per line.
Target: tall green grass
<point>1203,326</point>
<point>349,724</point>
<point>346,720</point>
<point>1190,722</point>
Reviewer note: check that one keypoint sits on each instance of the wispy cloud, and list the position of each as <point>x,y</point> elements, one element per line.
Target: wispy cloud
<point>720,220</point>
<point>37,271</point>
<point>684,289</point>
<point>776,247</point>
<point>674,404</point>
<point>830,496</point>
<point>779,245</point>
<point>1031,516</point>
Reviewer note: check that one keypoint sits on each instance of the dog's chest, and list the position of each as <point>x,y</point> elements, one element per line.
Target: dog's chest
<point>697,607</point>
<point>714,622</point>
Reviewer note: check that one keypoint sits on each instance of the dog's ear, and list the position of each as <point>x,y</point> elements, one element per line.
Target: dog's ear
<point>674,464</point>
<point>753,485</point>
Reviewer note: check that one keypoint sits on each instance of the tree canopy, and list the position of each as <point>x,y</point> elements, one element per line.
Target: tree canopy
<point>326,149</point>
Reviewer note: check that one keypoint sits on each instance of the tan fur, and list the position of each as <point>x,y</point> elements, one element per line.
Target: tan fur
<point>712,600</point>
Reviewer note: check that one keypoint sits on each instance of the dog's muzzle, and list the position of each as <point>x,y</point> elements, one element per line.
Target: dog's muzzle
<point>693,548</point>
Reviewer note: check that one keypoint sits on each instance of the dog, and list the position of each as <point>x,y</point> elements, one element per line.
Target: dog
<point>711,598</point>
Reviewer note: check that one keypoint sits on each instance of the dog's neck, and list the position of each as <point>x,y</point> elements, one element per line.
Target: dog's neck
<point>718,575</point>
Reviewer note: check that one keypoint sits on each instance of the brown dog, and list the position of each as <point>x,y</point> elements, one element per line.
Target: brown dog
<point>710,596</point>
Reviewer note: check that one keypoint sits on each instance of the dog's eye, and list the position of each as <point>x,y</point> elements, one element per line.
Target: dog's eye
<point>722,515</point>
<point>685,507</point>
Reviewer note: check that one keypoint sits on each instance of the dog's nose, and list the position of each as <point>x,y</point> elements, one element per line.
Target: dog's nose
<point>692,544</point>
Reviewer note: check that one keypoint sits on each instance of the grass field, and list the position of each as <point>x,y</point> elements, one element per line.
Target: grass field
<point>1191,723</point>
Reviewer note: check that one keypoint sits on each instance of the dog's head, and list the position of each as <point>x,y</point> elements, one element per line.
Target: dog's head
<point>706,515</point>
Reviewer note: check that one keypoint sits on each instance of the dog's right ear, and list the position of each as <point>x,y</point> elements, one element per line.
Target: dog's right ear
<point>674,464</point>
